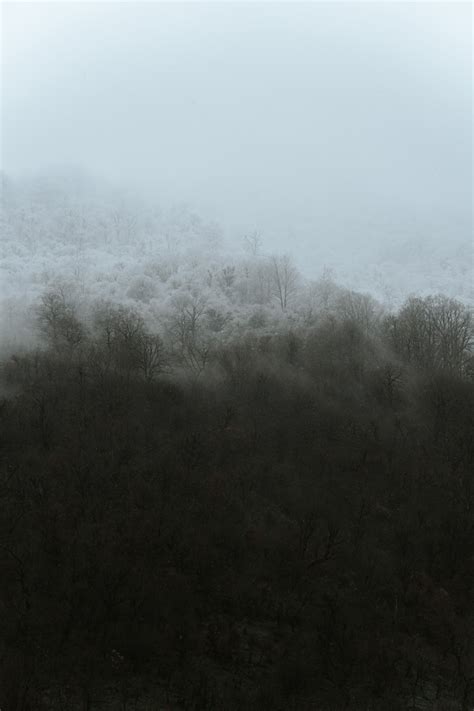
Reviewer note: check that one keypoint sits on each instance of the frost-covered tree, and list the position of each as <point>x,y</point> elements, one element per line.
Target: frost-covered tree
<point>253,243</point>
<point>284,279</point>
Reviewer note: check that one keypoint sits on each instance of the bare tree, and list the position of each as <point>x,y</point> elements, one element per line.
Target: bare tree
<point>454,331</point>
<point>185,331</point>
<point>120,331</point>
<point>434,332</point>
<point>284,278</point>
<point>188,312</point>
<point>253,243</point>
<point>128,345</point>
<point>362,309</point>
<point>57,320</point>
<point>151,356</point>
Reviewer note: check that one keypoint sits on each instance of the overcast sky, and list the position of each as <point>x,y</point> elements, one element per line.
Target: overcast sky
<point>259,112</point>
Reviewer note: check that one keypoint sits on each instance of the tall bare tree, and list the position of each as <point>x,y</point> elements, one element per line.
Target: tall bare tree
<point>253,243</point>
<point>284,278</point>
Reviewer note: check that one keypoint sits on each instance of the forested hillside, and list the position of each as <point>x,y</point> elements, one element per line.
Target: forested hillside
<point>236,356</point>
<point>224,486</point>
<point>94,243</point>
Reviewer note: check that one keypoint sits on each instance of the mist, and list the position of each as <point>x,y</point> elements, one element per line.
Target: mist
<point>324,126</point>
<point>236,357</point>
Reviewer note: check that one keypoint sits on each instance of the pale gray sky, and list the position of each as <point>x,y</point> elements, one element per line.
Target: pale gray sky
<point>262,113</point>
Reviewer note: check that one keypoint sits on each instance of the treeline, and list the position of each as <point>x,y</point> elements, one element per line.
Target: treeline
<point>96,244</point>
<point>431,332</point>
<point>283,520</point>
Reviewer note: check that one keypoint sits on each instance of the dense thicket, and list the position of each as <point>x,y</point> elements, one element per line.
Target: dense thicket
<point>283,521</point>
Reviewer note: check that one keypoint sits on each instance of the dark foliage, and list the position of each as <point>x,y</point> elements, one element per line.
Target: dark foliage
<point>291,529</point>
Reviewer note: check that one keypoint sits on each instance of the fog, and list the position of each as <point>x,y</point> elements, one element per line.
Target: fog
<point>317,124</point>
<point>236,357</point>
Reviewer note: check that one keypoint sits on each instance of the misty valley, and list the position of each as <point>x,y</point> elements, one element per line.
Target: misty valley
<point>225,484</point>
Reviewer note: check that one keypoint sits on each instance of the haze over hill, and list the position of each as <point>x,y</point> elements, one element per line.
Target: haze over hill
<point>236,357</point>
<point>342,133</point>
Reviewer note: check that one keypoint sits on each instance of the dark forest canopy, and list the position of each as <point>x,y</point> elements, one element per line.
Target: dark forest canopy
<point>273,519</point>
